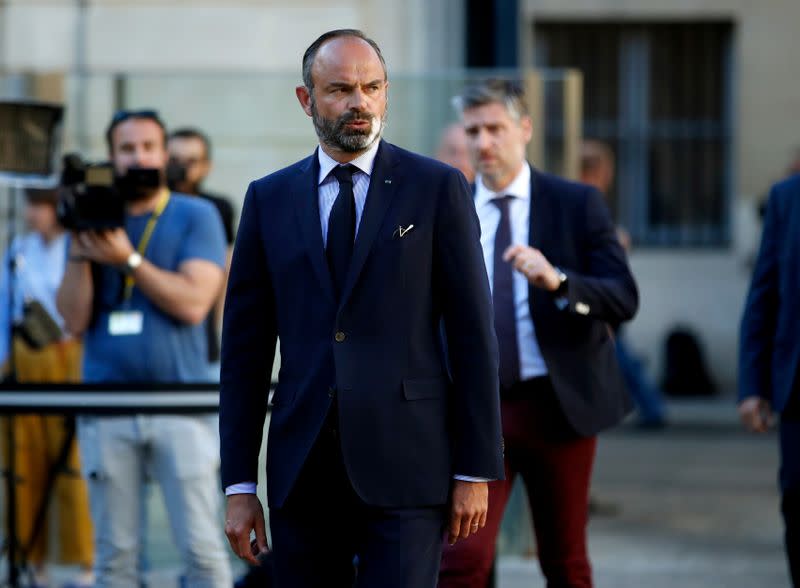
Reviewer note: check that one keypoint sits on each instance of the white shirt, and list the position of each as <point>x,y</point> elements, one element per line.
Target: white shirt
<point>38,268</point>
<point>531,362</point>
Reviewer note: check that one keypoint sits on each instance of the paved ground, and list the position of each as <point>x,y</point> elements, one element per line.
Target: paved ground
<point>698,508</point>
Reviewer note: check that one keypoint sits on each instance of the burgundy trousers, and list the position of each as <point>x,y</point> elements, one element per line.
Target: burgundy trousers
<point>556,467</point>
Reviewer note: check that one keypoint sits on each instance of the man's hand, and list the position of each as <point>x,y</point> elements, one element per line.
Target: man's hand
<point>112,247</point>
<point>534,266</point>
<point>470,502</point>
<point>244,514</point>
<point>756,414</point>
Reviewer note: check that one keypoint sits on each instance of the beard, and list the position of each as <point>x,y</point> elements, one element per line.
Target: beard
<point>334,132</point>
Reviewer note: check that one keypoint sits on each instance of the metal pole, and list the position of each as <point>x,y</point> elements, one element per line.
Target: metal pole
<point>534,98</point>
<point>82,77</point>
<point>12,540</point>
<point>11,502</point>
<point>573,123</point>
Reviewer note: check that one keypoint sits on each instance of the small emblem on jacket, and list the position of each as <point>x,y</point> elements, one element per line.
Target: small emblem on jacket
<point>402,232</point>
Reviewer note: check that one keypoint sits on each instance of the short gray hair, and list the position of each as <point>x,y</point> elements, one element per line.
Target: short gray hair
<point>311,52</point>
<point>509,93</point>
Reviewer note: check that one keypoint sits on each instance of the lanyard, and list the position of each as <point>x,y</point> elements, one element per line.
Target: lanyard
<point>143,242</point>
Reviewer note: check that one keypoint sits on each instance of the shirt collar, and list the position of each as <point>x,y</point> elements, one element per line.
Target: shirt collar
<point>520,187</point>
<point>363,162</point>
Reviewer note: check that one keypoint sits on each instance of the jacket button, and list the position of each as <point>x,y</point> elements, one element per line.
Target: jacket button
<point>331,391</point>
<point>339,336</point>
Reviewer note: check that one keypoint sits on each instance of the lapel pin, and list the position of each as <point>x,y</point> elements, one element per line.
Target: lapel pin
<point>387,181</point>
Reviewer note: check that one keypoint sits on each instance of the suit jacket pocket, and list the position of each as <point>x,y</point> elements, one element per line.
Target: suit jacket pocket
<point>418,389</point>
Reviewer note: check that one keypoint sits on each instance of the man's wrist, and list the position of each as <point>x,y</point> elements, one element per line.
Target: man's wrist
<point>133,261</point>
<point>563,282</point>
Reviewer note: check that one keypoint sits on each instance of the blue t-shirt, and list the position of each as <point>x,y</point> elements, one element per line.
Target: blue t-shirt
<point>166,350</point>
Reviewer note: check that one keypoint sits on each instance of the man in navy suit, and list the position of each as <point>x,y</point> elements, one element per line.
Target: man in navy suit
<point>358,258</point>
<point>559,279</point>
<point>770,350</point>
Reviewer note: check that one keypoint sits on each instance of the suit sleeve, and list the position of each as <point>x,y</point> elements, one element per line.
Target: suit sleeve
<point>605,288</point>
<point>249,336</point>
<point>759,320</point>
<point>469,330</point>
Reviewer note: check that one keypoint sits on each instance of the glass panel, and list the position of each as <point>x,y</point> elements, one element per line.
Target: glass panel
<point>256,127</point>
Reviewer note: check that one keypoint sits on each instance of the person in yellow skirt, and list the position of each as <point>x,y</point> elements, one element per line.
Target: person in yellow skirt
<point>29,278</point>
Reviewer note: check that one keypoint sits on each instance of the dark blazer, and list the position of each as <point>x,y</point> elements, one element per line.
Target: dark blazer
<point>769,343</point>
<point>571,226</point>
<point>406,426</point>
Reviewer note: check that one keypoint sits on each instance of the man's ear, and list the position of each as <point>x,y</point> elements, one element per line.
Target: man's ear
<point>205,168</point>
<point>304,97</point>
<point>526,124</point>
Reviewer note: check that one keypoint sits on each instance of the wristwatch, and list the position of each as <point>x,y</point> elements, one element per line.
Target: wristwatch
<point>562,283</point>
<point>134,260</point>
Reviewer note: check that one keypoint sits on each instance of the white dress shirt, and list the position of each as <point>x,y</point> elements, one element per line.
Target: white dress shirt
<point>531,362</point>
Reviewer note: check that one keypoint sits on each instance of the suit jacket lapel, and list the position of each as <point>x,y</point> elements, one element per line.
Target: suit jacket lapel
<point>538,230</point>
<point>381,190</point>
<point>306,196</point>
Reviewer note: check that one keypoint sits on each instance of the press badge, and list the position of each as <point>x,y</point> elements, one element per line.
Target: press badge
<point>125,322</point>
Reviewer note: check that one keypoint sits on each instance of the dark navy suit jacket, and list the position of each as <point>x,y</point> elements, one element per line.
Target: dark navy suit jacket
<point>571,226</point>
<point>406,425</point>
<point>770,331</point>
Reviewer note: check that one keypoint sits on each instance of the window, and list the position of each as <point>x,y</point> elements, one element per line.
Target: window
<point>660,96</point>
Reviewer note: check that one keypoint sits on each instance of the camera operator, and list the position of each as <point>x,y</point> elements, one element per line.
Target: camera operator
<point>139,295</point>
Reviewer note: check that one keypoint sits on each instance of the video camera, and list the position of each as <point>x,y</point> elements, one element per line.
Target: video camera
<point>92,197</point>
<point>88,199</point>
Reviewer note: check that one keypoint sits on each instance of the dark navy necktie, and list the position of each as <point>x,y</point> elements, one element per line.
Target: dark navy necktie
<point>341,227</point>
<point>505,317</point>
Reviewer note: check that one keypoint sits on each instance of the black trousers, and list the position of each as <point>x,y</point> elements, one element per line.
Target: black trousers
<point>789,477</point>
<point>325,536</point>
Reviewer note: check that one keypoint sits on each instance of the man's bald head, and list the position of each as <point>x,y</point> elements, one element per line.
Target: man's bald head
<point>311,53</point>
<point>597,165</point>
<point>453,150</point>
